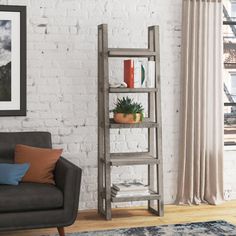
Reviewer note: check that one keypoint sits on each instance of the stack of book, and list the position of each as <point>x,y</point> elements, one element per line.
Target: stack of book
<point>129,190</point>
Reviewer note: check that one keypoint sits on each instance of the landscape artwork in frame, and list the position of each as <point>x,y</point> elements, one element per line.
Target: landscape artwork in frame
<point>12,60</point>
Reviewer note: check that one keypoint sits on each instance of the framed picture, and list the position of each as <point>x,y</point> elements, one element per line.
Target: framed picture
<point>12,60</point>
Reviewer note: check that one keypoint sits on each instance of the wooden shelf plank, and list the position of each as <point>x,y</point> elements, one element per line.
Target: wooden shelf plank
<point>152,196</point>
<point>131,52</point>
<point>129,154</point>
<point>122,159</point>
<point>134,161</point>
<point>144,124</point>
<point>133,90</point>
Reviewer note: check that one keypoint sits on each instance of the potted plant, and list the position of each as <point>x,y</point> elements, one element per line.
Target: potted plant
<point>127,111</point>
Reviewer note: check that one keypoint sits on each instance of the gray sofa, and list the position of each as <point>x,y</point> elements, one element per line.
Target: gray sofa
<point>31,205</point>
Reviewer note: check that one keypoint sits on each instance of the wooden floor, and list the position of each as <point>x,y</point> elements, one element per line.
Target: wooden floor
<point>136,217</point>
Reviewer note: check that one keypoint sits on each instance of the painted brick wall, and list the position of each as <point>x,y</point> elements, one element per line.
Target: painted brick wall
<point>62,80</point>
<point>229,173</point>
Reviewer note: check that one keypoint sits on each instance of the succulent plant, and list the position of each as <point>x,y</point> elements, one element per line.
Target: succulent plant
<point>127,106</point>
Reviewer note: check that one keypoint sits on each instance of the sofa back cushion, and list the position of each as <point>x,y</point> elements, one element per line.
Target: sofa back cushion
<point>8,141</point>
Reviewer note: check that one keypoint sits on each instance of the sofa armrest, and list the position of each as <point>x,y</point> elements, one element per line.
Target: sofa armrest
<point>68,179</point>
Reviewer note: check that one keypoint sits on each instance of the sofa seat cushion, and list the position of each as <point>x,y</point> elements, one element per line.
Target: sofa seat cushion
<point>30,197</point>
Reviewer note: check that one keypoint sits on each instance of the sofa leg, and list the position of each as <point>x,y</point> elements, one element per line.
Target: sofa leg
<point>61,231</point>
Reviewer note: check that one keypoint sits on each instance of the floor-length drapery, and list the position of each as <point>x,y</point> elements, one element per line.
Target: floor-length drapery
<point>201,131</point>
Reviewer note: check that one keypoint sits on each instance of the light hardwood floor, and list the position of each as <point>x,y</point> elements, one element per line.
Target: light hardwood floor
<point>136,217</point>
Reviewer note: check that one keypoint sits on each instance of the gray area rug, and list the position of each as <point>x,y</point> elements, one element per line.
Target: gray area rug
<point>219,228</point>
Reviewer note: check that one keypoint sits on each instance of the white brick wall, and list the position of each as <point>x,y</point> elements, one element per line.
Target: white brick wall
<point>230,173</point>
<point>62,79</point>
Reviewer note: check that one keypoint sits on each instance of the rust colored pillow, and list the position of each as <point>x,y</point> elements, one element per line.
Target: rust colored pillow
<point>42,163</point>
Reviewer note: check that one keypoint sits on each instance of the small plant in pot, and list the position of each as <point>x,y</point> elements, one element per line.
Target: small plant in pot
<point>127,111</point>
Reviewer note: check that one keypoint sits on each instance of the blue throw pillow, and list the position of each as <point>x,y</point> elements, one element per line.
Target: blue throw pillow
<point>12,174</point>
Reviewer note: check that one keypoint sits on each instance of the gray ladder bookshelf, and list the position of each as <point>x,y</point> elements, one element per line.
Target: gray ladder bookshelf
<point>153,157</point>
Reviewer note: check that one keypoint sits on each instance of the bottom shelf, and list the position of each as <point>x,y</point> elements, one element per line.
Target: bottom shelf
<point>150,196</point>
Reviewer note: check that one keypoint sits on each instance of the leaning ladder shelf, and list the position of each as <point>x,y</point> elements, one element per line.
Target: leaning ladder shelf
<point>153,157</point>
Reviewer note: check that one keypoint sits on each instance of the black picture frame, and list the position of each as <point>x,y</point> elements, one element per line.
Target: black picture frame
<point>23,73</point>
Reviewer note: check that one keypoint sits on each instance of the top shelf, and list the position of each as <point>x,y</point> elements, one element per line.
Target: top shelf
<point>131,52</point>
<point>133,90</point>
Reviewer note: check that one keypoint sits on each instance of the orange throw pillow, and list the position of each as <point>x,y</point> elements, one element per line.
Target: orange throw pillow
<point>42,163</point>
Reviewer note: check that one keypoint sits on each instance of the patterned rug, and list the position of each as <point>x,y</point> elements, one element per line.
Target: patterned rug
<point>219,228</point>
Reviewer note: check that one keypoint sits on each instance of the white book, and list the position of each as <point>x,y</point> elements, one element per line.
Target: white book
<point>131,194</point>
<point>137,73</point>
<point>130,186</point>
<point>115,192</point>
<point>145,188</point>
<point>151,74</point>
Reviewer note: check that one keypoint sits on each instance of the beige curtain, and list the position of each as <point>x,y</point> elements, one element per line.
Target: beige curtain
<point>201,139</point>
